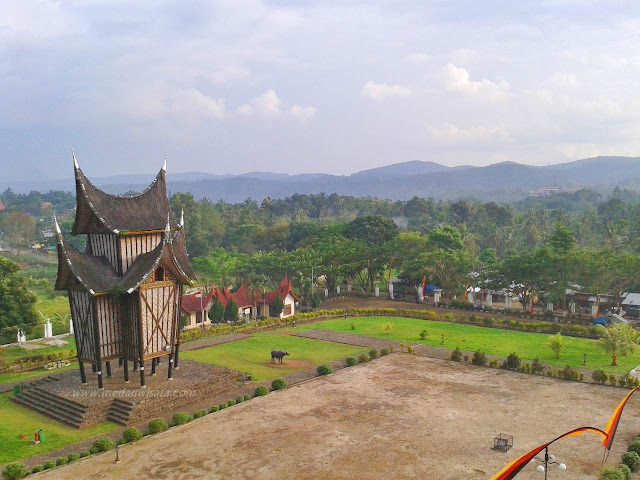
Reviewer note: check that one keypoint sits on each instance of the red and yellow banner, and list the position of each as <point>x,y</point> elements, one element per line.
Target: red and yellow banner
<point>612,424</point>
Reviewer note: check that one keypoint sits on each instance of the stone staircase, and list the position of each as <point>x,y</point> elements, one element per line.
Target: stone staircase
<point>119,412</point>
<point>67,411</point>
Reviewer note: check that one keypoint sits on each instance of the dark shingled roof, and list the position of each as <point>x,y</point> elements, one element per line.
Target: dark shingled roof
<point>139,213</point>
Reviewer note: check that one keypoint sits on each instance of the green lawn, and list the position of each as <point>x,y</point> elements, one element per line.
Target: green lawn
<point>253,355</point>
<point>17,377</point>
<point>13,354</point>
<point>16,420</point>
<point>489,340</point>
<point>49,305</point>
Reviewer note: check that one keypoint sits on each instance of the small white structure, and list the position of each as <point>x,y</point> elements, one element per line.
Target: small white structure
<point>48,330</point>
<point>391,290</point>
<point>376,291</point>
<point>572,307</point>
<point>326,292</point>
<point>550,306</point>
<point>489,300</point>
<point>71,326</point>
<point>420,295</point>
<point>348,287</point>
<point>436,297</point>
<point>470,296</point>
<point>507,299</point>
<point>594,309</point>
<point>338,289</point>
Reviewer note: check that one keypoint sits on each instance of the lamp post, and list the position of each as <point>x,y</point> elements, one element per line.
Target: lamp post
<point>548,460</point>
<point>312,277</point>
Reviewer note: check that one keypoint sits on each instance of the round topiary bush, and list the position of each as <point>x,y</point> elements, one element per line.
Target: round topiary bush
<point>179,418</point>
<point>231,403</point>
<point>214,409</point>
<point>351,361</point>
<point>456,355</point>
<point>157,425</point>
<point>48,464</point>
<point>363,358</point>
<point>199,413</point>
<point>261,391</point>
<point>624,470</point>
<point>239,399</point>
<point>14,471</point>
<point>279,383</point>
<point>634,446</point>
<point>611,473</point>
<point>325,369</point>
<point>36,469</point>
<point>222,406</point>
<point>73,457</point>
<point>373,353</point>
<point>62,461</point>
<point>632,460</point>
<point>385,351</point>
<point>84,454</point>
<point>103,444</point>
<point>247,397</point>
<point>131,434</point>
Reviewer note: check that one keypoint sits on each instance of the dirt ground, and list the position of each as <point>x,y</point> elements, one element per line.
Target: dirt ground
<point>400,416</point>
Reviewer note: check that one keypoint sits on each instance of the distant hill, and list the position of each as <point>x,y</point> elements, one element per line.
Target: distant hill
<point>500,182</point>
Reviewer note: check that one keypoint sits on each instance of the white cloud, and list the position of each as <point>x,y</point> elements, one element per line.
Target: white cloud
<point>458,80</point>
<point>228,74</point>
<point>192,102</point>
<point>417,58</point>
<point>448,132</point>
<point>382,91</point>
<point>302,113</point>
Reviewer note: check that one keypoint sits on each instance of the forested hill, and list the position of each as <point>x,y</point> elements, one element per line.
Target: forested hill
<point>501,182</point>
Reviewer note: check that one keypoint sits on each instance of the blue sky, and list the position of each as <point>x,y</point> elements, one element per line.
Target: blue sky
<point>293,86</point>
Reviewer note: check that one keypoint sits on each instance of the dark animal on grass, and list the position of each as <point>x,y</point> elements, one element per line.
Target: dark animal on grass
<point>279,354</point>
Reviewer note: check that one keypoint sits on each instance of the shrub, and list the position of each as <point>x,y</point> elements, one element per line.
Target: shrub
<point>612,380</point>
<point>325,369</point>
<point>569,373</point>
<point>632,460</point>
<point>200,413</point>
<point>410,349</point>
<point>493,363</point>
<point>222,406</point>
<point>363,358</point>
<point>513,361</point>
<point>48,464</point>
<point>179,418</point>
<point>103,444</point>
<point>456,355</point>
<point>239,399</point>
<point>351,361</point>
<point>479,358</point>
<point>131,434</point>
<point>231,403</point>
<point>214,409</point>
<point>261,390</point>
<point>14,471</point>
<point>634,446</point>
<point>247,397</point>
<point>424,334</point>
<point>537,367</point>
<point>624,470</point>
<point>84,454</point>
<point>157,425</point>
<point>73,457</point>
<point>611,473</point>
<point>385,351</point>
<point>62,461</point>
<point>279,383</point>
<point>373,353</point>
<point>599,376</point>
<point>36,469</point>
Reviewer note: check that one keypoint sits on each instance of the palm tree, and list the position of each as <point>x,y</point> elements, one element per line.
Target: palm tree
<point>618,339</point>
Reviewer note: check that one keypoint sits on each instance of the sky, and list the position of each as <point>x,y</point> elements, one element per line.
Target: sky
<point>233,86</point>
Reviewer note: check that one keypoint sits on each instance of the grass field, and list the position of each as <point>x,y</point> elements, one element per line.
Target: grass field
<point>49,304</point>
<point>18,377</point>
<point>489,340</point>
<point>16,420</point>
<point>253,355</point>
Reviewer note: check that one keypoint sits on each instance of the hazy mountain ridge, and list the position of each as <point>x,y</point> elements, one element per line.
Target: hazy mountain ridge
<point>503,182</point>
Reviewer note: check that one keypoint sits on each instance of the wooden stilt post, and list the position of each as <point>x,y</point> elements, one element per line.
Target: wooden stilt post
<point>108,369</point>
<point>153,366</point>
<point>170,369</point>
<point>142,384</point>
<point>158,360</point>
<point>120,362</point>
<point>125,366</point>
<point>93,368</point>
<point>175,356</point>
<point>135,366</point>
<point>99,371</point>
<point>83,375</point>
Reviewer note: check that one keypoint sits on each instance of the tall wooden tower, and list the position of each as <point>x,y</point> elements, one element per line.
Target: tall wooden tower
<point>125,289</point>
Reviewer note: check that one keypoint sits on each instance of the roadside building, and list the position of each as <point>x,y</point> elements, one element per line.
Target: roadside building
<point>195,307</point>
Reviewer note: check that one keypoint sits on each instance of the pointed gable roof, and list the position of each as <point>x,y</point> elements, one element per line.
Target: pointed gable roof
<point>97,211</point>
<point>2,207</point>
<point>193,302</point>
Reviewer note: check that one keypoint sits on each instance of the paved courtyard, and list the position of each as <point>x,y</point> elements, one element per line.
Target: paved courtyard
<point>401,416</point>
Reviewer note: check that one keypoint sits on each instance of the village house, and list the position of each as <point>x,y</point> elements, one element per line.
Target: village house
<point>195,307</point>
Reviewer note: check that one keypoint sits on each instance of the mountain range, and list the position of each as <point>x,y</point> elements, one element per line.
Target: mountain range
<point>501,182</point>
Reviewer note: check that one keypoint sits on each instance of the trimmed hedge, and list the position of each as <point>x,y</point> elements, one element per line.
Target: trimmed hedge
<point>279,383</point>
<point>48,464</point>
<point>385,351</point>
<point>632,460</point>
<point>179,418</point>
<point>157,425</point>
<point>62,461</point>
<point>14,471</point>
<point>325,369</point>
<point>363,358</point>
<point>247,397</point>
<point>103,444</point>
<point>351,361</point>
<point>261,390</point>
<point>36,469</point>
<point>131,434</point>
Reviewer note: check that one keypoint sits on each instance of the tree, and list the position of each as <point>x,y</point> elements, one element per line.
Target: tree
<point>450,268</point>
<point>446,238</point>
<point>619,339</point>
<point>276,307</point>
<point>371,229</point>
<point>556,344</point>
<point>231,311</point>
<point>19,229</point>
<point>216,312</point>
<point>563,239</point>
<point>16,302</point>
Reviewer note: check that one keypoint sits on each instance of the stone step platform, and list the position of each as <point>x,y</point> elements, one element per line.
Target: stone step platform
<point>45,402</point>
<point>120,411</point>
